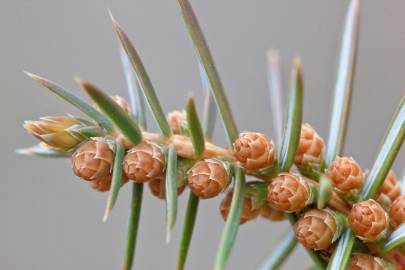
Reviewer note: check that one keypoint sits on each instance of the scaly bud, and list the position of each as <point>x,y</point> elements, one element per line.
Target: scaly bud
<point>271,214</point>
<point>310,149</point>
<point>359,261</point>
<point>345,175</point>
<point>368,220</point>
<point>397,211</point>
<point>144,162</point>
<point>101,185</point>
<point>61,133</point>
<point>289,192</point>
<point>209,177</point>
<point>249,212</point>
<point>93,160</point>
<point>177,121</point>
<point>255,151</point>
<point>157,188</point>
<point>389,190</point>
<point>317,229</point>
<point>122,103</point>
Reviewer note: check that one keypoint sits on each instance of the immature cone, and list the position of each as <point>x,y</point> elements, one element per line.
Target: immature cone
<point>122,103</point>
<point>310,149</point>
<point>177,121</point>
<point>359,261</point>
<point>248,211</point>
<point>397,211</point>
<point>390,189</point>
<point>316,229</point>
<point>55,132</point>
<point>101,185</point>
<point>207,178</point>
<point>271,214</point>
<point>289,192</point>
<point>254,150</point>
<point>93,160</point>
<point>345,174</point>
<point>157,188</point>
<point>144,162</point>
<point>368,220</point>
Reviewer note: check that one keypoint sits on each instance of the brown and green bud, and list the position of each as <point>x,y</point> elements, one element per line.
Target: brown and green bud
<point>93,160</point>
<point>249,211</point>
<point>207,178</point>
<point>254,151</point>
<point>157,188</point>
<point>144,162</point>
<point>62,133</point>
<point>317,229</point>
<point>269,213</point>
<point>360,261</point>
<point>177,121</point>
<point>368,220</point>
<point>345,175</point>
<point>311,148</point>
<point>389,190</point>
<point>289,192</point>
<point>397,211</point>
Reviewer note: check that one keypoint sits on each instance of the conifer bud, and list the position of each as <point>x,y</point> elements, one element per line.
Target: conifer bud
<point>207,178</point>
<point>144,162</point>
<point>255,151</point>
<point>310,149</point>
<point>389,190</point>
<point>157,188</point>
<point>359,261</point>
<point>101,185</point>
<point>61,133</point>
<point>93,160</point>
<point>397,211</point>
<point>249,212</point>
<point>317,229</point>
<point>368,220</point>
<point>289,192</point>
<point>122,103</point>
<point>345,175</point>
<point>177,121</point>
<point>269,213</point>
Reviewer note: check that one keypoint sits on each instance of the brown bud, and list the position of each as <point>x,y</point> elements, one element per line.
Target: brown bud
<point>101,185</point>
<point>254,150</point>
<point>144,162</point>
<point>157,188</point>
<point>397,211</point>
<point>289,192</point>
<point>359,261</point>
<point>316,229</point>
<point>208,178</point>
<point>271,214</point>
<point>390,189</point>
<point>177,121</point>
<point>311,147</point>
<point>345,174</point>
<point>248,211</point>
<point>93,160</point>
<point>368,220</point>
<point>122,103</point>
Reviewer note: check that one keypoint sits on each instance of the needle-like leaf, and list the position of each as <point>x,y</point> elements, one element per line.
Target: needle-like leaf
<point>275,86</point>
<point>325,191</point>
<point>344,82</point>
<point>42,151</point>
<point>143,77</point>
<point>210,108</point>
<point>74,100</point>
<point>207,61</point>
<point>171,191</point>
<point>116,181</point>
<point>343,250</point>
<point>196,132</point>
<point>280,254</point>
<point>133,224</point>
<point>396,238</point>
<point>293,122</point>
<point>232,222</point>
<point>122,120</point>
<point>136,98</point>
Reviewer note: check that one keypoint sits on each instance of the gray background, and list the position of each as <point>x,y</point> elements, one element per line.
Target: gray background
<point>51,220</point>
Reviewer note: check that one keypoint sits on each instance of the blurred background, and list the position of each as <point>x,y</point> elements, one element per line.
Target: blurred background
<point>51,220</point>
